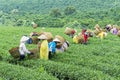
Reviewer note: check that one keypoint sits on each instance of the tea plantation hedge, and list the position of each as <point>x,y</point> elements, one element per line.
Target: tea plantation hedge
<point>0,58</point>
<point>2,78</point>
<point>111,68</point>
<point>66,71</point>
<point>16,72</point>
<point>98,60</point>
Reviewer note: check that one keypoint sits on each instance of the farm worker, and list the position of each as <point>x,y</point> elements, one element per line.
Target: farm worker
<point>34,25</point>
<point>65,45</point>
<point>72,33</point>
<point>63,48</point>
<point>44,52</point>
<point>22,47</point>
<point>102,34</point>
<point>52,47</point>
<point>115,31</point>
<point>85,35</point>
<point>75,39</point>
<point>108,27</point>
<point>83,31</point>
<point>97,28</point>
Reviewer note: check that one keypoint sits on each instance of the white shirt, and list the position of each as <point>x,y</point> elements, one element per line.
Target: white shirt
<point>65,46</point>
<point>23,49</point>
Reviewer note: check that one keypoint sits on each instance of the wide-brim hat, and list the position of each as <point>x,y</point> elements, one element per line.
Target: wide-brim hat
<point>24,39</point>
<point>42,37</point>
<point>56,40</point>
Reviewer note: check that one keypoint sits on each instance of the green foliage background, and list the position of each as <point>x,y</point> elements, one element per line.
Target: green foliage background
<point>43,6</point>
<point>54,13</point>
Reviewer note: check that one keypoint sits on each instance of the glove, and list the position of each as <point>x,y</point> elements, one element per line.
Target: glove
<point>31,53</point>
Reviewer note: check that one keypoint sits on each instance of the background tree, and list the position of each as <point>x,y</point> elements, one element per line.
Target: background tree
<point>55,12</point>
<point>69,10</point>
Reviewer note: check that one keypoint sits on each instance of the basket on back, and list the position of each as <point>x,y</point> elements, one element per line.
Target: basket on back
<point>14,52</point>
<point>62,40</point>
<point>90,33</point>
<point>35,39</point>
<point>118,34</point>
<point>34,36</point>
<point>78,39</point>
<point>68,31</point>
<point>48,35</point>
<point>34,25</point>
<point>97,29</point>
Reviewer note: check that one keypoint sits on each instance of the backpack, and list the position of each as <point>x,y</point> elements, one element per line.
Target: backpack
<point>29,41</point>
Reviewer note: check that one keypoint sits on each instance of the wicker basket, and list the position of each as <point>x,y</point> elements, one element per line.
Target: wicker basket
<point>68,31</point>
<point>35,40</point>
<point>118,34</point>
<point>15,52</point>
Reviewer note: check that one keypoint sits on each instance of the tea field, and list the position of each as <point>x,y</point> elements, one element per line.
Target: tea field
<point>98,60</point>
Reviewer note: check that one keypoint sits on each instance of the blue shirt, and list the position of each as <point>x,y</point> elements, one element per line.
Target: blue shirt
<point>52,47</point>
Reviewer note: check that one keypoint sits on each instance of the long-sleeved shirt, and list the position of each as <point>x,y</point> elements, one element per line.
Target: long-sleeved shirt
<point>23,49</point>
<point>52,47</point>
<point>115,31</point>
<point>44,50</point>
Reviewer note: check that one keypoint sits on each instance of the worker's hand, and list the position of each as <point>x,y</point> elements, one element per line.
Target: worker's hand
<point>31,53</point>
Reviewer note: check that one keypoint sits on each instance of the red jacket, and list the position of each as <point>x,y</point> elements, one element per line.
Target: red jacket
<point>85,37</point>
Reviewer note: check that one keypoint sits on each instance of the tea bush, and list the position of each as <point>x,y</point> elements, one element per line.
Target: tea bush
<point>16,72</point>
<point>66,71</point>
<point>98,60</point>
